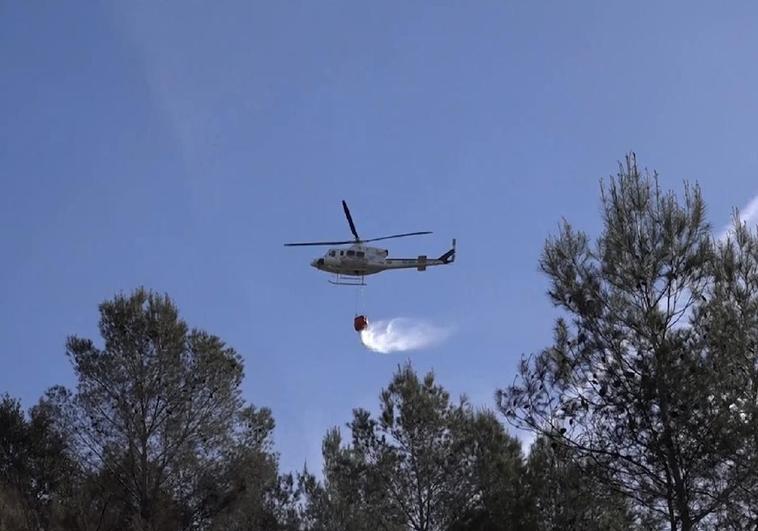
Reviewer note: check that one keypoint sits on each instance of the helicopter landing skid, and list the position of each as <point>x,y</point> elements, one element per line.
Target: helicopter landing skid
<point>348,281</point>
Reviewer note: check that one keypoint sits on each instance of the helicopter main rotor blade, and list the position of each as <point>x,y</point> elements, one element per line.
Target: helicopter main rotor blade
<point>350,220</point>
<point>397,236</point>
<point>317,243</point>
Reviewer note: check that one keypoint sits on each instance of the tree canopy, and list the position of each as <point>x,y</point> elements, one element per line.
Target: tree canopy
<point>643,407</point>
<point>650,379</point>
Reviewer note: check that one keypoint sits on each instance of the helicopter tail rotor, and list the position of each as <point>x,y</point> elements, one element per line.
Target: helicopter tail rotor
<point>449,256</point>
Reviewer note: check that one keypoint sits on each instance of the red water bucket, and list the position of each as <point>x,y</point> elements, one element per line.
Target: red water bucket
<point>360,323</point>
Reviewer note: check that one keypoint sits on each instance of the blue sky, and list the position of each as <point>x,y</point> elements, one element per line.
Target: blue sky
<point>177,145</point>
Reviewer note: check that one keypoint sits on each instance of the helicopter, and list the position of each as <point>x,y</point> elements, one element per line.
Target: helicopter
<point>353,264</point>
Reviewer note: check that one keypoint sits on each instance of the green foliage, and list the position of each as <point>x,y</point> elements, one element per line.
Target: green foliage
<point>423,463</point>
<point>499,478</point>
<point>645,409</point>
<point>634,384</point>
<point>13,511</point>
<point>34,466</point>
<point>728,324</point>
<point>159,425</point>
<point>350,497</point>
<point>569,496</point>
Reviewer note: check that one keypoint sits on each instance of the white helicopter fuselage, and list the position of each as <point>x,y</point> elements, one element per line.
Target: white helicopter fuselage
<point>361,260</point>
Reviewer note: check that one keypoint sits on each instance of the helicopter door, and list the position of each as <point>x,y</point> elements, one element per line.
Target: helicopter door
<point>355,256</point>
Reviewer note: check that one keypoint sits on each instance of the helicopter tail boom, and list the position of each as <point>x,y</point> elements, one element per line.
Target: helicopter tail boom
<point>420,263</point>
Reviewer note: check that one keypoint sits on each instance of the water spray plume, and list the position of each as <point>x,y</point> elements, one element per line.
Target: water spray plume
<point>401,334</point>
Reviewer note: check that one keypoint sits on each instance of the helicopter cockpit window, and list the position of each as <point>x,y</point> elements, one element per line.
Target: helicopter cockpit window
<point>360,254</point>
<point>351,253</point>
<point>332,253</point>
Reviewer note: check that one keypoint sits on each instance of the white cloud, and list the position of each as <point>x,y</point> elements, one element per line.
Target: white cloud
<point>748,215</point>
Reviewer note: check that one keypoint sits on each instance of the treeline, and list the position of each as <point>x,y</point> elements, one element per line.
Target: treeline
<point>156,436</point>
<point>644,410</point>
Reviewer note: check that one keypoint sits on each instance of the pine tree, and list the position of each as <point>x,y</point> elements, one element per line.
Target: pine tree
<point>634,385</point>
<point>158,421</point>
<point>424,463</point>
